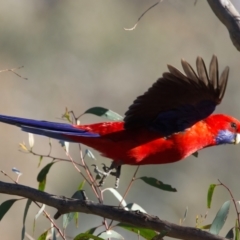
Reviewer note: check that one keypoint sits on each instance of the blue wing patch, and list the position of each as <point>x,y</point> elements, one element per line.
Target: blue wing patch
<point>181,118</point>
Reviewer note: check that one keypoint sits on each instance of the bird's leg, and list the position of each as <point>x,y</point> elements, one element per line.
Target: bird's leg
<point>108,171</point>
<point>118,173</point>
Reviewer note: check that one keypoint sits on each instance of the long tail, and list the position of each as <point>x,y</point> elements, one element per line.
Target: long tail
<point>61,131</point>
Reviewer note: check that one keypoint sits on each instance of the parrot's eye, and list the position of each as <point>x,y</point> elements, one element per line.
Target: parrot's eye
<point>234,125</point>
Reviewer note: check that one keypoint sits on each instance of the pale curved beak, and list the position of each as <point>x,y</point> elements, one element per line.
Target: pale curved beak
<point>237,139</point>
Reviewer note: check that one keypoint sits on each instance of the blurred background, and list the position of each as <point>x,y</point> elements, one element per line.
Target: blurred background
<point>76,54</point>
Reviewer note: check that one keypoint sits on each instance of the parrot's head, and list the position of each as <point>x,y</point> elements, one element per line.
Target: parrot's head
<point>226,129</point>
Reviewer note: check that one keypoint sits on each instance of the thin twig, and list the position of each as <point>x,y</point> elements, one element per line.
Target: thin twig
<point>78,169</point>
<point>92,180</point>
<point>53,158</point>
<point>135,25</point>
<point>5,174</point>
<point>130,184</point>
<point>13,71</point>
<point>234,202</point>
<point>126,192</point>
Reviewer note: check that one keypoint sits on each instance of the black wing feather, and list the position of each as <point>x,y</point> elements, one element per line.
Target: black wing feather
<point>177,101</point>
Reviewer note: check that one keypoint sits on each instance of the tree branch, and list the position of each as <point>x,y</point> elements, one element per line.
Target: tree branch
<point>135,218</point>
<point>229,16</point>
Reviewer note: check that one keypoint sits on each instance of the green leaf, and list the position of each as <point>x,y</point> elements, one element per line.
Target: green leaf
<point>53,232</point>
<point>144,232</point>
<point>43,173</point>
<point>5,206</point>
<point>24,216</point>
<point>158,184</point>
<point>40,212</point>
<point>23,147</point>
<point>236,234</point>
<point>37,216</point>
<point>230,234</point>
<point>162,234</point>
<point>104,112</point>
<point>43,236</point>
<point>79,194</point>
<point>15,170</point>
<point>110,234</point>
<point>68,217</point>
<point>206,226</point>
<point>236,230</point>
<point>41,185</point>
<point>90,154</point>
<point>91,230</point>
<point>42,176</point>
<point>185,214</point>
<point>66,115</point>
<point>76,216</point>
<point>117,195</point>
<point>210,194</point>
<point>62,143</point>
<point>31,140</point>
<point>86,236</point>
<point>220,218</point>
<point>40,161</point>
<point>135,207</point>
<point>81,185</point>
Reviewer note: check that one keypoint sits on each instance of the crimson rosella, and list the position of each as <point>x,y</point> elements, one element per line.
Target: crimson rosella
<point>169,122</point>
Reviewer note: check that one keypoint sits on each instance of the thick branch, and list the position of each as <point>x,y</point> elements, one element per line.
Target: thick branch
<point>66,205</point>
<point>229,16</point>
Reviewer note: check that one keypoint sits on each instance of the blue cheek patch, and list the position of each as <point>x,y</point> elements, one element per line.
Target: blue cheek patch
<point>225,136</point>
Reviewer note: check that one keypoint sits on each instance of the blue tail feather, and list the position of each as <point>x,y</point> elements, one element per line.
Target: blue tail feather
<point>59,131</point>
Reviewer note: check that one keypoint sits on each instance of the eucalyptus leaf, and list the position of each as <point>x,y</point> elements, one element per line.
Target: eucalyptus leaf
<point>42,176</point>
<point>24,217</point>
<point>116,195</point>
<point>135,207</point>
<point>220,218</point>
<point>91,230</point>
<point>210,194</point>
<point>230,234</point>
<point>87,236</point>
<point>158,184</point>
<point>5,206</point>
<point>144,232</point>
<point>110,234</point>
<point>104,112</point>
<point>68,217</point>
<point>43,173</point>
<point>43,236</point>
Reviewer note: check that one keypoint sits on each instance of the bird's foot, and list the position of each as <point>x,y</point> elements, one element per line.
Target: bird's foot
<point>100,172</point>
<point>108,171</point>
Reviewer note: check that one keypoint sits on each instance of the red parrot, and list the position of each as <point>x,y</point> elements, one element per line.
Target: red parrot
<point>169,122</point>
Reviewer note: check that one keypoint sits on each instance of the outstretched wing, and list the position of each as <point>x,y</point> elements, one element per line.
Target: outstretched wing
<point>177,101</point>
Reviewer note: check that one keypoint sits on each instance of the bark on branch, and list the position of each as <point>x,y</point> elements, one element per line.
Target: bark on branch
<point>229,16</point>
<point>135,218</point>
